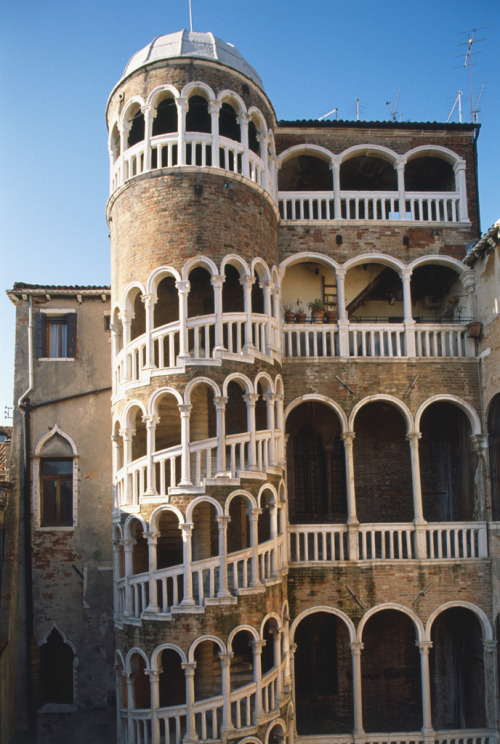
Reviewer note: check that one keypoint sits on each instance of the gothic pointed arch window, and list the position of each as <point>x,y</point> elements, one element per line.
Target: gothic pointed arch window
<point>55,479</point>
<point>57,670</point>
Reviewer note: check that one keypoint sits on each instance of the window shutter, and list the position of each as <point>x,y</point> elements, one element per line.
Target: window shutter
<point>71,323</point>
<point>40,320</point>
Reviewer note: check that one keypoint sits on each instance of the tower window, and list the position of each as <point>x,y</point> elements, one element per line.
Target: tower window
<point>55,336</point>
<point>56,493</point>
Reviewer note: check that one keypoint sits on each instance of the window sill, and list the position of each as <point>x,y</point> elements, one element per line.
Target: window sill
<point>56,528</point>
<point>56,359</point>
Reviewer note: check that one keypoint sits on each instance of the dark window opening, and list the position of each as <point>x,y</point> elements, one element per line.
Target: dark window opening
<point>253,139</point>
<point>165,120</point>
<point>368,173</point>
<point>56,485</point>
<point>305,173</point>
<point>56,671</point>
<point>494,447</point>
<point>228,123</point>
<point>198,117</point>
<point>136,131</point>
<point>429,174</point>
<point>232,291</point>
<point>55,336</point>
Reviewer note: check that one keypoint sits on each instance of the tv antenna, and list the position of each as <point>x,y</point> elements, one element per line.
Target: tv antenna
<point>394,111</point>
<point>333,111</point>
<point>458,100</point>
<point>190,16</point>
<point>471,40</point>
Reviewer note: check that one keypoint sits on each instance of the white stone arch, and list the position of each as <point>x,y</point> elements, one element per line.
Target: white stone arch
<point>113,148</point>
<point>276,722</point>
<point>282,492</point>
<point>377,258</point>
<point>55,431</point>
<point>128,409</point>
<point>376,151</point>
<point>419,627</point>
<point>253,632</point>
<point>243,381</point>
<point>285,612</point>
<point>259,267</point>
<point>481,615</point>
<point>449,261</point>
<point>246,495</point>
<point>381,397</point>
<point>153,401</point>
<point>157,275</point>
<point>469,411</point>
<point>65,639</point>
<point>307,257</point>
<point>132,518</point>
<point>119,657</point>
<point>269,616</point>
<point>275,277</point>
<point>131,652</point>
<point>316,397</point>
<point>129,295</point>
<point>131,104</point>
<point>329,610</point>
<point>208,637</point>
<point>198,381</point>
<point>196,87</point>
<point>278,382</point>
<point>305,149</point>
<point>117,532</point>
<point>250,740</point>
<point>267,487</point>
<point>269,382</point>
<point>257,116</point>
<point>237,263</point>
<point>156,514</point>
<point>437,151</point>
<point>156,655</point>
<point>201,499</point>
<point>155,95</point>
<point>229,96</point>
<point>198,262</point>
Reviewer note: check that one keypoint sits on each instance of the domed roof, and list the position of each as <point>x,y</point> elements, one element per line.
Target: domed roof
<point>192,44</point>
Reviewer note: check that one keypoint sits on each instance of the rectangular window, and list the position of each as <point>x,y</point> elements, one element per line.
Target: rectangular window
<point>55,335</point>
<point>56,493</point>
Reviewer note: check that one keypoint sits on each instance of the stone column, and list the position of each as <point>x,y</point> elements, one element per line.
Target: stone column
<point>359,732</point>
<point>276,633</point>
<point>183,291</point>
<point>126,435</point>
<point>352,519</point>
<point>116,575</point>
<point>217,280</point>
<point>220,412</point>
<point>149,301</point>
<point>148,119</point>
<point>187,530</point>
<point>343,321</point>
<point>286,645</point>
<point>151,422</point>
<point>400,169</point>
<point>182,108</point>
<point>154,681</point>
<point>247,282</point>
<point>425,647</point>
<point>280,426</point>
<point>268,312</point>
<point>468,279</point>
<point>490,683</point>
<point>116,441</point>
<point>409,323</point>
<point>418,516</point>
<point>116,334</point>
<point>223,521</point>
<point>152,538</point>
<point>482,485</point>
<point>268,182</point>
<point>270,411</point>
<point>190,734</point>
<point>214,108</point>
<point>250,400</point>
<point>185,456</point>
<point>130,707</point>
<point>243,120</point>
<point>273,528</point>
<point>253,515</point>
<point>128,547</point>
<point>461,187</point>
<point>126,319</point>
<point>337,204</point>
<point>225,660</point>
<point>257,647</point>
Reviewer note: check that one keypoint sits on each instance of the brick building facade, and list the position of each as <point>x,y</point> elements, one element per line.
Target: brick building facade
<point>302,481</point>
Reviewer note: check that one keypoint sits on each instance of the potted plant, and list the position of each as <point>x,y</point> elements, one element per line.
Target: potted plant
<point>331,316</point>
<point>300,315</point>
<point>317,308</point>
<point>289,313</point>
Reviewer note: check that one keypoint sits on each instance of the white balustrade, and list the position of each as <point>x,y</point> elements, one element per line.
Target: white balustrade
<point>269,697</point>
<point>172,724</point>
<point>466,736</point>
<point>457,540</point>
<point>169,583</point>
<point>239,570</point>
<point>311,543</point>
<point>208,715</point>
<point>242,705</point>
<point>386,541</point>
<point>205,579</point>
<point>203,456</point>
<point>266,552</point>
<point>440,340</point>
<point>377,340</point>
<point>166,345</point>
<point>141,726</point>
<point>370,205</point>
<point>303,340</point>
<point>167,463</point>
<point>236,452</point>
<point>139,591</point>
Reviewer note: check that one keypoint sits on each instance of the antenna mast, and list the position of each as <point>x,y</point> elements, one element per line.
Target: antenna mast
<point>190,16</point>
<point>471,39</point>
<point>458,100</point>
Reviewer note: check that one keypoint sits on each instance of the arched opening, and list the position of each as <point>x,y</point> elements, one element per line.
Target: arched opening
<point>457,671</point>
<point>368,173</point>
<point>242,661</point>
<point>165,120</point>
<point>236,409</point>
<point>169,541</point>
<point>201,293</point>
<point>271,651</point>
<point>494,452</point>
<point>390,668</point>
<point>118,446</point>
<point>261,422</point>
<point>166,309</point>
<point>229,125</point>
<point>257,295</point>
<point>139,435</point>
<point>198,116</point>
<point>315,465</point>
<point>56,482</point>
<point>136,131</point>
<point>140,557</point>
<point>205,536</point>
<point>118,545</point>
<point>232,291</point>
<point>374,292</point>
<point>428,173</point>
<point>172,682</point>
<point>305,173</point>
<point>267,505</point>
<point>208,673</point>
<point>115,143</point>
<point>323,676</point>
<point>437,295</point>
<point>308,283</point>
<point>138,324</point>
<point>167,436</point>
<point>382,465</point>
<point>56,670</point>
<point>253,137</point>
<point>117,328</point>
<point>238,531</point>
<point>121,682</point>
<point>446,467</point>
<point>141,686</point>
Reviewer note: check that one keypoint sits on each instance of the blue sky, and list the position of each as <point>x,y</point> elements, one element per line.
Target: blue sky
<point>61,59</point>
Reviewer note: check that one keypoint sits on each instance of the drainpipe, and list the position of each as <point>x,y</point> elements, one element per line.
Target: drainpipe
<point>25,408</point>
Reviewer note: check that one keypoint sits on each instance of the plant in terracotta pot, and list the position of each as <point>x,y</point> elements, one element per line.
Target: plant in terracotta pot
<point>300,315</point>
<point>331,316</point>
<point>317,308</point>
<point>289,313</point>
